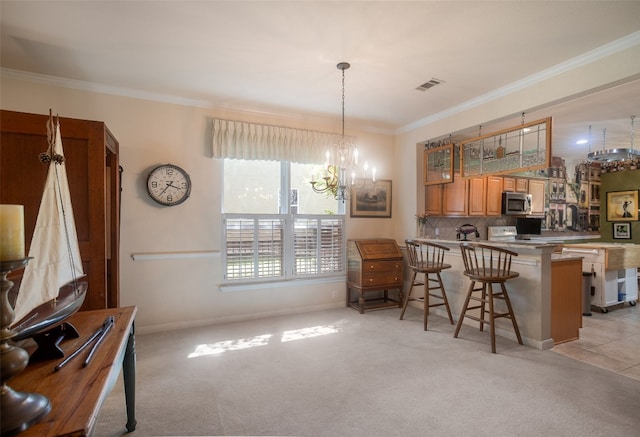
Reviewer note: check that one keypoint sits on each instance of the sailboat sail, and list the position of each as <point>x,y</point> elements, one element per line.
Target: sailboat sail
<point>54,246</point>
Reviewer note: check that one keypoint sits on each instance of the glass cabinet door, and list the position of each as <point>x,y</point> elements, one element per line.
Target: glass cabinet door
<point>438,165</point>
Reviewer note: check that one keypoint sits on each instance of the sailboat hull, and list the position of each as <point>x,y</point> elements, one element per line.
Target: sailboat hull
<point>52,313</point>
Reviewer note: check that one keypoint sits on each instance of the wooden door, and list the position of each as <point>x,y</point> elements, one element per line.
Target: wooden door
<point>509,184</point>
<point>90,150</point>
<point>477,199</point>
<point>433,199</point>
<point>522,185</point>
<point>454,197</point>
<point>494,196</point>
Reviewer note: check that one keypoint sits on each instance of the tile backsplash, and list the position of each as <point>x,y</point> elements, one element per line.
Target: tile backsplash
<point>444,228</point>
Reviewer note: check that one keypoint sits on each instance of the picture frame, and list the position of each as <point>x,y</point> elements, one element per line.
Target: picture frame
<point>622,206</point>
<point>371,199</point>
<point>621,231</point>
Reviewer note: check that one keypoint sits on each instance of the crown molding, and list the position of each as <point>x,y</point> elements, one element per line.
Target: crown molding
<point>591,56</point>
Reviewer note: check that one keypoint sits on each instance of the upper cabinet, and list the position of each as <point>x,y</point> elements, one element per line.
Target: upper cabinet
<point>517,149</point>
<point>494,191</point>
<point>519,185</point>
<point>433,200</point>
<point>477,196</point>
<point>454,197</point>
<point>438,165</point>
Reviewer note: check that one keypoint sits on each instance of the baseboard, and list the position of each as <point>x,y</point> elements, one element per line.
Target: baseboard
<point>166,327</point>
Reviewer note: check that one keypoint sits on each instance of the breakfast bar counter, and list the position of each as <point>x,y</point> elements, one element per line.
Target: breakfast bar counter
<point>530,293</point>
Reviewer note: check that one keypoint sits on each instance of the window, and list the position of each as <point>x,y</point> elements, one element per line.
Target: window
<point>275,226</point>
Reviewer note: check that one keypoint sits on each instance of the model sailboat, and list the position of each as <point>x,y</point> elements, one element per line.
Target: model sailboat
<point>49,291</point>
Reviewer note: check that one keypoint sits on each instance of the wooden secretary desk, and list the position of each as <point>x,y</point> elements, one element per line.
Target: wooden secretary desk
<point>373,265</point>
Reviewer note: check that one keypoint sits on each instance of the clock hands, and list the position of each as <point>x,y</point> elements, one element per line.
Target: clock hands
<point>169,184</point>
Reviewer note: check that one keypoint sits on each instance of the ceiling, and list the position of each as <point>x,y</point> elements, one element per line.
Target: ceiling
<point>280,56</point>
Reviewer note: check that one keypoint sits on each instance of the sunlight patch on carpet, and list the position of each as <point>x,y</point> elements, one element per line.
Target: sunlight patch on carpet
<point>304,333</point>
<point>230,345</point>
<point>262,340</point>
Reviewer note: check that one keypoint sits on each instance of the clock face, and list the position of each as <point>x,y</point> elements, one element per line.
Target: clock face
<point>168,185</point>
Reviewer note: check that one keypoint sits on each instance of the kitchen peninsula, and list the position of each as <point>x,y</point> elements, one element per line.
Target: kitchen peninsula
<point>530,293</point>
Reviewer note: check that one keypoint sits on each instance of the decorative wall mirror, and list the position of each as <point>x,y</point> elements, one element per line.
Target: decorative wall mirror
<point>438,165</point>
<point>521,148</point>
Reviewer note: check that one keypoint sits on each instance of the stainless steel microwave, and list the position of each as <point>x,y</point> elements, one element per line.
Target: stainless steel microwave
<point>516,203</point>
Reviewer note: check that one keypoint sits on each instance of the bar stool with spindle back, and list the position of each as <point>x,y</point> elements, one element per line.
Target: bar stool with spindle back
<point>427,258</point>
<point>488,265</point>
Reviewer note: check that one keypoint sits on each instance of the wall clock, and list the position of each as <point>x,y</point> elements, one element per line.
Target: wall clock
<point>168,184</point>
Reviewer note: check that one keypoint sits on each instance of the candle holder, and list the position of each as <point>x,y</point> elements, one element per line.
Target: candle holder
<point>19,410</point>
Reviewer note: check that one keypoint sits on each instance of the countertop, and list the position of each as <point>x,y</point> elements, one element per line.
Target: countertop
<point>516,245</point>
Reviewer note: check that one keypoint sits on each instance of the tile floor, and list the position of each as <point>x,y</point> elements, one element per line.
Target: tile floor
<point>610,341</point>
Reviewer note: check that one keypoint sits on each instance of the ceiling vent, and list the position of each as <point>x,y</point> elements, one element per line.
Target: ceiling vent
<point>433,82</point>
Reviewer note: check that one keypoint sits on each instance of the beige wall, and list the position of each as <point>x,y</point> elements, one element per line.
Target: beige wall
<point>181,292</point>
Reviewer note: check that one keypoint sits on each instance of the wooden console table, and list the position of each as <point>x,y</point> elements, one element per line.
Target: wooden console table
<point>76,393</point>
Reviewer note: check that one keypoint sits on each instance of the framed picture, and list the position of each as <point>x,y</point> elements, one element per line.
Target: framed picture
<point>622,231</point>
<point>371,199</point>
<point>622,206</point>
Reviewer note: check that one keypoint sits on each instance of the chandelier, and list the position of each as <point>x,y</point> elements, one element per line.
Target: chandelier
<point>614,155</point>
<point>339,174</point>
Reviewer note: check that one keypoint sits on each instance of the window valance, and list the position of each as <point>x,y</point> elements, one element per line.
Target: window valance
<point>240,140</point>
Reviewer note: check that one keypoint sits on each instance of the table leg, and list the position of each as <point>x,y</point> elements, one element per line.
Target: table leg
<point>129,376</point>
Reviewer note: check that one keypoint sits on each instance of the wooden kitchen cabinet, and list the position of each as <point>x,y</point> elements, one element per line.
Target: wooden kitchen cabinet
<point>454,197</point>
<point>518,185</point>
<point>537,189</point>
<point>566,299</point>
<point>509,184</point>
<point>477,196</point>
<point>522,185</point>
<point>433,199</point>
<point>373,265</point>
<point>494,196</point>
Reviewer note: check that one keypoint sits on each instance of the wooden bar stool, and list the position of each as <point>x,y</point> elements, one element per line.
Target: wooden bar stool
<point>487,265</point>
<point>427,258</point>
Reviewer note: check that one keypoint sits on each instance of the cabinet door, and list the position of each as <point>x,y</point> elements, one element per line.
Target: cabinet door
<point>537,191</point>
<point>433,199</point>
<point>509,184</point>
<point>522,185</point>
<point>566,300</point>
<point>91,154</point>
<point>454,197</point>
<point>494,196</point>
<point>477,199</point>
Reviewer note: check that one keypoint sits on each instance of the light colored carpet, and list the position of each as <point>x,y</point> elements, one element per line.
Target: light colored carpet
<point>340,373</point>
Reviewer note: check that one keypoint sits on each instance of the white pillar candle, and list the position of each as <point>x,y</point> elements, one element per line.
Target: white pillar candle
<point>11,232</point>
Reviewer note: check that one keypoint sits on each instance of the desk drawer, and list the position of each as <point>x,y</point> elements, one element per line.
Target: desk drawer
<point>381,266</point>
<point>379,279</point>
